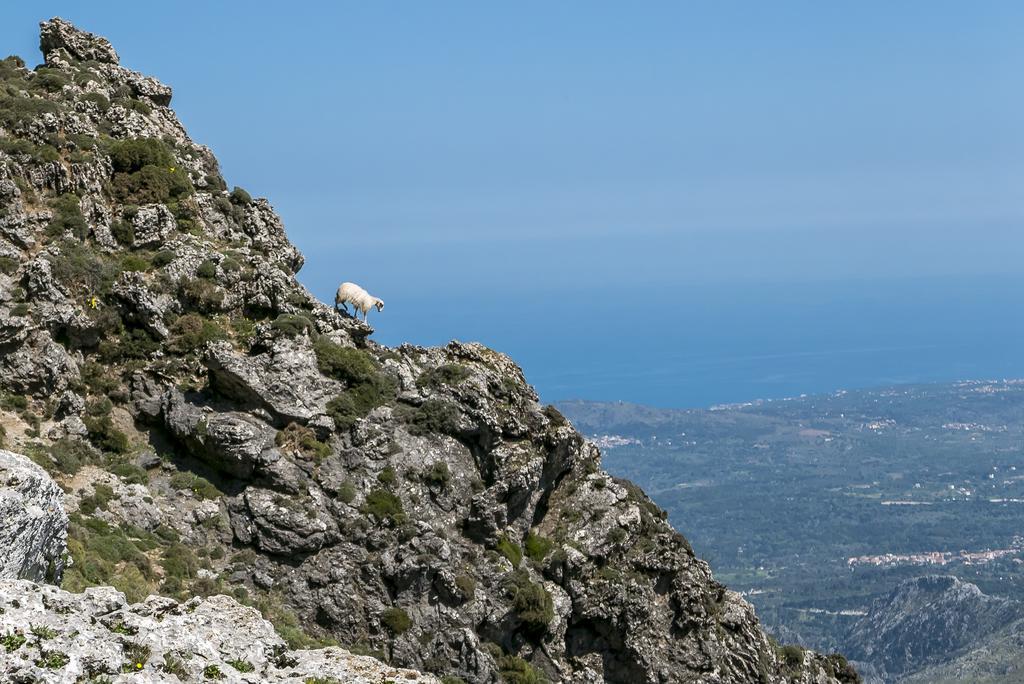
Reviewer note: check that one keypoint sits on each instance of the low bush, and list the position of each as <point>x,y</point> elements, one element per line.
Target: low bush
<point>396,620</point>
<point>385,506</point>
<point>207,270</point>
<point>98,99</point>
<point>432,416</point>
<point>192,332</point>
<point>67,216</point>
<point>123,232</point>
<point>300,440</point>
<point>467,586</point>
<point>445,374</point>
<point>359,400</point>
<point>200,486</point>
<point>353,366</point>
<point>515,670</point>
<point>104,435</point>
<point>537,547</point>
<point>292,325</point>
<point>240,196</point>
<point>437,475</point>
<point>510,550</point>
<point>531,603</point>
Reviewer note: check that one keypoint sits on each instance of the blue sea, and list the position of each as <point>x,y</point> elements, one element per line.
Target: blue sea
<point>692,345</point>
<point>703,319</point>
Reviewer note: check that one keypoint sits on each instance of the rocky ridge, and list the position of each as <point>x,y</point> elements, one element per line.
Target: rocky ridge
<point>927,622</point>
<point>217,430</point>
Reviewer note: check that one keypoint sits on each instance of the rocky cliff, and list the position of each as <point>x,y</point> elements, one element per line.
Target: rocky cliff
<point>943,623</point>
<point>217,430</point>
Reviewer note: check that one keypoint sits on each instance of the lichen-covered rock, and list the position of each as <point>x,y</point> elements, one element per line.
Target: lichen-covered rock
<point>56,636</point>
<point>284,379</point>
<point>57,34</point>
<point>33,533</point>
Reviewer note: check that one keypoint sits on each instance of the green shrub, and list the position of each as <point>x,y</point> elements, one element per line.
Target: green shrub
<point>360,399</point>
<point>98,99</point>
<point>151,184</point>
<point>466,585</point>
<point>617,535</point>
<point>106,555</point>
<point>396,620</point>
<point>68,456</point>
<point>445,374</point>
<point>134,262</point>
<point>52,660</point>
<point>240,196</point>
<point>241,665</point>
<point>50,80</point>
<point>174,665</point>
<point>131,156</point>
<point>200,486</point>
<point>13,641</point>
<point>105,436</point>
<point>384,506</point>
<point>129,472</point>
<point>452,679</point>
<point>179,561</point>
<point>215,184</point>
<point>287,624</point>
<point>201,294</point>
<point>531,603</point>
<point>537,547</point>
<point>15,111</point>
<point>207,270</point>
<point>293,325</point>
<point>8,265</point>
<point>162,258</point>
<point>100,498</point>
<point>387,477</point>
<point>437,475</point>
<point>347,492</point>
<point>212,672</point>
<point>507,548</point>
<point>792,655</point>
<point>349,365</point>
<point>123,232</point>
<point>83,270</point>
<point>515,670</point>
<point>67,216</point>
<point>192,332</point>
<point>433,416</point>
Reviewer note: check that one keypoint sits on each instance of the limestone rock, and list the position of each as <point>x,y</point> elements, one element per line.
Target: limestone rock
<point>98,634</point>
<point>34,530</point>
<point>58,34</point>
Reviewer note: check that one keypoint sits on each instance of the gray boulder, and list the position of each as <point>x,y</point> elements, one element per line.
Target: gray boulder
<point>57,34</point>
<point>98,634</point>
<point>33,536</point>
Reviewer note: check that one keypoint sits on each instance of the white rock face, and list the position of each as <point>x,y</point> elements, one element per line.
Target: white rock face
<point>33,524</point>
<point>96,634</point>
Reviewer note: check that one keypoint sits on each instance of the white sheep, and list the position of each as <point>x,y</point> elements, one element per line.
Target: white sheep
<point>360,299</point>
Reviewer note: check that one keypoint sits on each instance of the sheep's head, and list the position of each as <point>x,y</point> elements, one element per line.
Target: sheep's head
<point>379,304</point>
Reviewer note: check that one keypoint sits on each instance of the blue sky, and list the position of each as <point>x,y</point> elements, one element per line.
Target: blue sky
<point>491,171</point>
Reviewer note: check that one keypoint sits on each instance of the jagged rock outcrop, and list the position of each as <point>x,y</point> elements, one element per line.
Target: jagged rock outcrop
<point>418,504</point>
<point>34,527</point>
<point>923,621</point>
<point>50,635</point>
